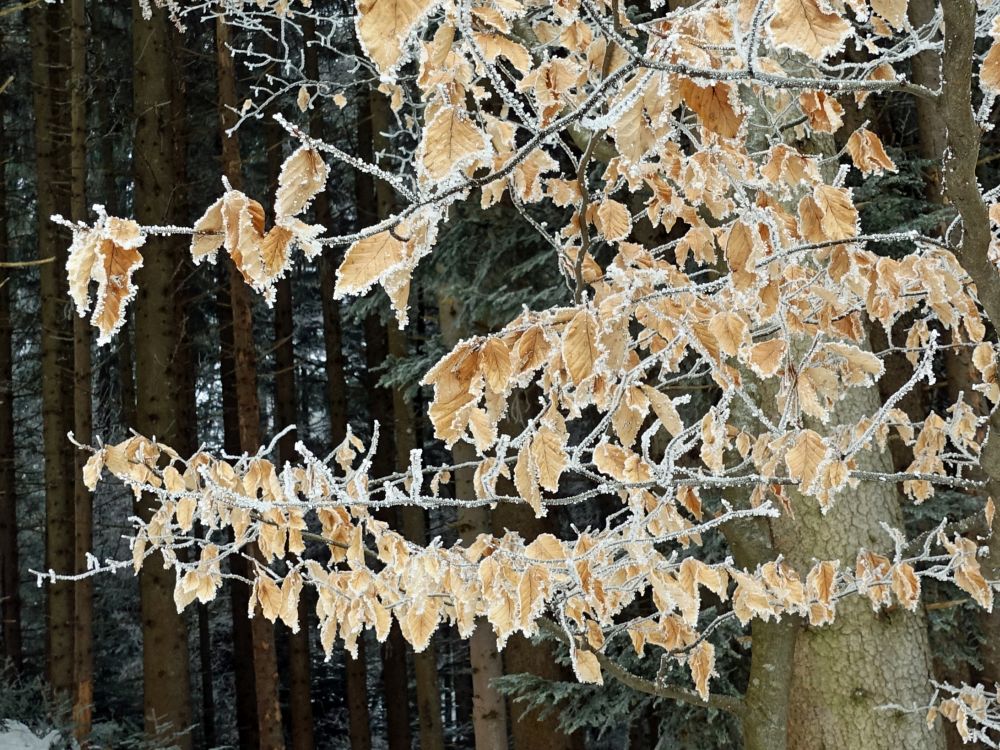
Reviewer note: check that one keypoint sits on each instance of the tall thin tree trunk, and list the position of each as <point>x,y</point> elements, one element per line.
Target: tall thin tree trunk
<point>83,636</point>
<point>286,400</point>
<point>414,525</point>
<point>265,662</point>
<point>239,594</point>
<point>166,688</point>
<point>10,594</point>
<point>371,122</point>
<point>489,712</point>
<point>57,363</point>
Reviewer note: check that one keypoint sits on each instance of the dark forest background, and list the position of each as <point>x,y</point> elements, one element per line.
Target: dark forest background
<point>101,106</point>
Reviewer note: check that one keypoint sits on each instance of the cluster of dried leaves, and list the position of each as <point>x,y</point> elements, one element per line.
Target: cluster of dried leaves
<point>704,241</point>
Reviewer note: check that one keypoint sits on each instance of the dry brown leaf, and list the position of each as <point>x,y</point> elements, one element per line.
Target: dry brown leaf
<point>549,453</point>
<point>701,662</point>
<point>524,480</point>
<point>730,331</point>
<point>450,140</point>
<point>714,107</point>
<point>367,261</point>
<point>665,410</point>
<point>805,27</point>
<point>868,154</point>
<point>384,27</point>
<point>494,359</point>
<point>579,346</point>
<point>805,456</point>
<point>302,177</point>
<point>613,220</point>
<point>586,667</point>
<point>765,358</point>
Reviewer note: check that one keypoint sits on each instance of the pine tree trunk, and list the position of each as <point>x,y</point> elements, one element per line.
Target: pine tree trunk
<point>57,362</point>
<point>166,689</point>
<point>265,664</point>
<point>414,525</point>
<point>299,684</point>
<point>83,635</point>
<point>372,121</point>
<point>239,593</point>
<point>489,714</point>
<point>10,594</point>
<point>355,670</point>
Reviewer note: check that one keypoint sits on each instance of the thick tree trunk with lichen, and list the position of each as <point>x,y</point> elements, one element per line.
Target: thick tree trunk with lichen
<point>842,676</point>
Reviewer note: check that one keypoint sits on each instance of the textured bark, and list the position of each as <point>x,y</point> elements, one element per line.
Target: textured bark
<point>962,190</point>
<point>48,67</point>
<point>10,595</point>
<point>842,673</point>
<point>489,714</point>
<point>166,689</point>
<point>265,665</point>
<point>83,633</point>
<point>414,524</point>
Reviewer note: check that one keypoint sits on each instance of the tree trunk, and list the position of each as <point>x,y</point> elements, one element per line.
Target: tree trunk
<point>371,123</point>
<point>489,715</point>
<point>57,362</point>
<point>265,665</point>
<point>299,681</point>
<point>83,634</point>
<point>841,674</point>
<point>355,670</point>
<point>166,689</point>
<point>10,594</point>
<point>414,525</point>
<point>239,594</point>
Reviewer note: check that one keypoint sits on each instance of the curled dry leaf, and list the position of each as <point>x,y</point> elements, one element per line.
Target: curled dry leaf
<point>108,254</point>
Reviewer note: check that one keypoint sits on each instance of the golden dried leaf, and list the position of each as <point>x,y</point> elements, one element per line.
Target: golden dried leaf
<point>665,410</point>
<point>906,585</point>
<point>713,105</point>
<point>450,139</point>
<point>268,594</point>
<point>839,216</point>
<point>766,357</point>
<point>548,451</point>
<point>494,359</point>
<point>302,177</point>
<point>208,233</point>
<point>730,331</point>
<point>868,154</point>
<point>531,350</point>
<point>804,26</point>
<point>613,220</point>
<point>701,662</point>
<point>805,456</point>
<point>579,346</point>
<point>524,480</point>
<point>421,623</point>
<point>384,27</point>
<point>586,667</point>
<point>367,261</point>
